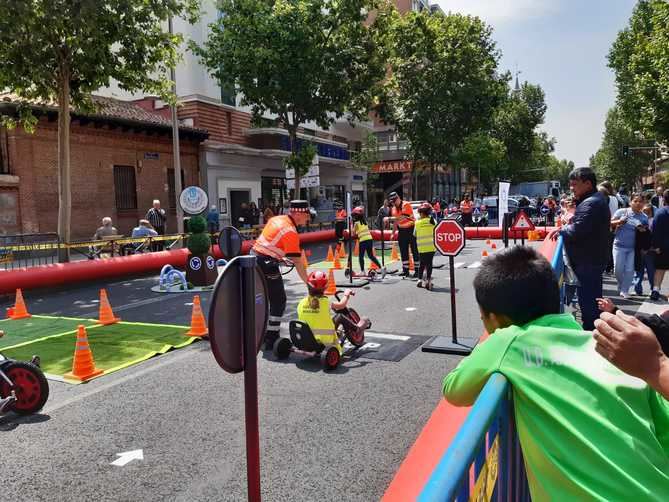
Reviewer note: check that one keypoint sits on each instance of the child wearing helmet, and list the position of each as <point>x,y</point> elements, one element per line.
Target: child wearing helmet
<point>314,309</point>
<point>424,232</point>
<point>366,243</point>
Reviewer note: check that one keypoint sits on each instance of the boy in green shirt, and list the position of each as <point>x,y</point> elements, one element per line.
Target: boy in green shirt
<point>587,430</point>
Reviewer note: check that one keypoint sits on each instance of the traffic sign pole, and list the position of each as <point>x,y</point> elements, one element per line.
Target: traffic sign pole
<point>247,264</point>
<point>449,239</point>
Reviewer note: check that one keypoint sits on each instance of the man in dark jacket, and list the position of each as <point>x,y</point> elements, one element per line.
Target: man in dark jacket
<point>586,241</point>
<point>660,245</point>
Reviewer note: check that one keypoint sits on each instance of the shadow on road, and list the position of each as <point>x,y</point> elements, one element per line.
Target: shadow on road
<point>12,420</point>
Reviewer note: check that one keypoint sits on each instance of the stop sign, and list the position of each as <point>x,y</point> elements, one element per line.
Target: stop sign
<point>449,237</point>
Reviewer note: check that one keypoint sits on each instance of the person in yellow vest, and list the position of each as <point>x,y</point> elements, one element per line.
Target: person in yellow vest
<point>424,232</point>
<point>361,231</point>
<point>314,310</point>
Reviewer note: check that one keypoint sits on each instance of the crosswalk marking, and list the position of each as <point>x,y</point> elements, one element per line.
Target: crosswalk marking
<point>476,264</point>
<point>459,264</point>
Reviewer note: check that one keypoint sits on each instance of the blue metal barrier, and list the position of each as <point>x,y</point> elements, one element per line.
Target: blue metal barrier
<point>485,454</point>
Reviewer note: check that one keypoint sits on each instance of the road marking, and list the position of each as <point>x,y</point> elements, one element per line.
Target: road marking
<point>128,456</point>
<point>385,336</point>
<point>476,264</point>
<point>459,264</point>
<point>410,309</point>
<point>650,308</point>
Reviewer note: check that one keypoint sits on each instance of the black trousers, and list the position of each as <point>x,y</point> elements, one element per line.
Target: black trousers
<point>276,295</point>
<point>340,226</point>
<point>425,265</point>
<point>367,247</point>
<point>160,245</point>
<point>406,239</point>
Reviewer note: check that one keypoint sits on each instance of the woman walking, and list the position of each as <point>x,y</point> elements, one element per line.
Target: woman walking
<point>626,222</point>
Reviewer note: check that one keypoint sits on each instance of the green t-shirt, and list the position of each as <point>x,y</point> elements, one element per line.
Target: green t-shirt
<point>587,430</point>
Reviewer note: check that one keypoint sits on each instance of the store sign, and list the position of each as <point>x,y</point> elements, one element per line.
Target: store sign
<point>393,166</point>
<point>305,182</point>
<point>313,171</point>
<point>193,200</point>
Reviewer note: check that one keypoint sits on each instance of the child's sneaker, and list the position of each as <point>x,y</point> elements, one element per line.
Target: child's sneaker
<point>419,284</point>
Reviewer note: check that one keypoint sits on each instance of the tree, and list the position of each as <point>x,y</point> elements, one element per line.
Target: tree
<point>443,84</point>
<point>301,60</point>
<point>558,170</point>
<point>482,154</point>
<point>639,57</point>
<point>62,50</point>
<point>609,162</point>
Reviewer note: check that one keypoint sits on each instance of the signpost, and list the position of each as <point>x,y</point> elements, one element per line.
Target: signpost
<point>544,212</point>
<point>522,224</point>
<point>449,239</point>
<point>193,200</point>
<point>237,322</point>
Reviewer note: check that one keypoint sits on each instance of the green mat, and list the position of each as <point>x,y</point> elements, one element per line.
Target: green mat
<point>325,265</point>
<point>36,327</point>
<point>114,347</point>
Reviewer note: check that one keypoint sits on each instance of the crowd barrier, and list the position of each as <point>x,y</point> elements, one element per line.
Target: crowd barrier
<point>470,453</point>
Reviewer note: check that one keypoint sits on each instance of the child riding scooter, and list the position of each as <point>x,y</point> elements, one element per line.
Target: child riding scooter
<point>316,332</point>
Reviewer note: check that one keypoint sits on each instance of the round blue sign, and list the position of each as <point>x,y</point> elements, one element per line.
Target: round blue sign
<point>211,263</point>
<point>195,263</point>
<point>544,210</point>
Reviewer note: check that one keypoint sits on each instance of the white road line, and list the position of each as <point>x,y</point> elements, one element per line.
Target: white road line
<point>459,264</point>
<point>385,336</point>
<point>652,308</point>
<point>476,264</point>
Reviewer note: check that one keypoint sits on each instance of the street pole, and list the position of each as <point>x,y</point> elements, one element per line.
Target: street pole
<point>454,323</point>
<point>176,154</point>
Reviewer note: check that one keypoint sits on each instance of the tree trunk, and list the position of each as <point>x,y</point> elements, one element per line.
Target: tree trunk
<point>292,132</point>
<point>64,174</point>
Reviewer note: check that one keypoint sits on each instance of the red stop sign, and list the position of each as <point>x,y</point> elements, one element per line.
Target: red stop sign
<point>449,237</point>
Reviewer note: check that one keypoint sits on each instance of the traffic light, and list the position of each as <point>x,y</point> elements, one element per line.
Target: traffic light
<point>626,151</point>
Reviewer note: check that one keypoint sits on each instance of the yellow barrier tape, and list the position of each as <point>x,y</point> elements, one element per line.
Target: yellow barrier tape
<point>485,484</point>
<point>72,245</point>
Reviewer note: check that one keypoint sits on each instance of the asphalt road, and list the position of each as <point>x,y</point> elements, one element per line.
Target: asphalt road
<point>324,435</point>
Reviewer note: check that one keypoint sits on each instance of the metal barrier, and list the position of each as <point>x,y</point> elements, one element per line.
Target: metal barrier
<point>484,460</point>
<point>27,250</point>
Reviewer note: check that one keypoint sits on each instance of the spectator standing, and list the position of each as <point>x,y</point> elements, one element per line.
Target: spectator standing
<point>212,219</point>
<point>643,258</point>
<point>244,219</point>
<point>660,245</point>
<point>657,200</point>
<point>106,230</point>
<point>267,213</point>
<point>466,208</point>
<point>254,214</point>
<point>626,223</point>
<point>384,212</point>
<point>622,196</point>
<point>586,241</point>
<point>158,219</point>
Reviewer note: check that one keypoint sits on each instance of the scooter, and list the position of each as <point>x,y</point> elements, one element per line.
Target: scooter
<point>371,274</point>
<point>23,387</point>
<point>348,326</point>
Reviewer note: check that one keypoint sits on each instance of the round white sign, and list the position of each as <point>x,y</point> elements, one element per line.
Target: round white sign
<point>193,200</point>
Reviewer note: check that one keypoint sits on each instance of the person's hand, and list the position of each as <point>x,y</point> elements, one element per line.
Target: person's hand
<point>348,292</point>
<point>629,345</point>
<point>553,234</point>
<point>606,305</point>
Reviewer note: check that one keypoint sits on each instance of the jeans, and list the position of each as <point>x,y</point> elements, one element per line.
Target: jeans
<point>590,288</point>
<point>623,267</point>
<point>645,264</point>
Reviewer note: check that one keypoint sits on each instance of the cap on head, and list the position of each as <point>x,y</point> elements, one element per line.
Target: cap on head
<point>299,206</point>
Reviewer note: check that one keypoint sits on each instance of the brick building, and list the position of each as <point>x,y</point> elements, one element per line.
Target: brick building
<point>121,159</point>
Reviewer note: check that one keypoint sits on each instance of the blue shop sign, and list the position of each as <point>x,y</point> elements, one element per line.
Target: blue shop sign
<point>323,149</point>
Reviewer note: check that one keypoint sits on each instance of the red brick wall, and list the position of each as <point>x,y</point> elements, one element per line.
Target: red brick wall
<point>225,125</point>
<point>94,152</point>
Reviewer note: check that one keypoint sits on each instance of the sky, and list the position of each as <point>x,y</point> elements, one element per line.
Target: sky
<point>562,46</point>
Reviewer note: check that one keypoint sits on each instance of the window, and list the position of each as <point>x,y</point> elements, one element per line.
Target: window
<point>125,187</point>
<point>4,153</point>
<point>171,195</point>
<point>227,94</point>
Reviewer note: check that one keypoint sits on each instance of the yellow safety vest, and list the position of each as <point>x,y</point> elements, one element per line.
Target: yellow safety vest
<point>362,231</point>
<point>319,320</point>
<point>424,231</point>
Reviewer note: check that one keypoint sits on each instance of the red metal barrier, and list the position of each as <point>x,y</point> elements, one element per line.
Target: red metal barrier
<point>59,274</point>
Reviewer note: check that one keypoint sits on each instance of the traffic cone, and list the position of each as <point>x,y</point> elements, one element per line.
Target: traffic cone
<point>198,326</point>
<point>106,313</point>
<point>356,250</point>
<point>330,256</point>
<point>305,262</point>
<point>373,266</point>
<point>484,253</point>
<point>393,254</point>
<point>342,252</point>
<point>83,365</point>
<point>493,246</point>
<point>19,311</point>
<point>337,263</point>
<point>332,287</point>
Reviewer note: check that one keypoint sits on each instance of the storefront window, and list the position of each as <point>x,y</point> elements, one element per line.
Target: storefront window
<point>274,192</point>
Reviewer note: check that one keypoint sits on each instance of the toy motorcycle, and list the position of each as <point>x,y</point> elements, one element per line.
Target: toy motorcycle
<point>348,326</point>
<point>23,387</point>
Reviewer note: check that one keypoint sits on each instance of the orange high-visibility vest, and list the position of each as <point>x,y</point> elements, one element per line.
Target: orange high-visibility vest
<point>405,218</point>
<point>279,238</point>
<point>341,215</point>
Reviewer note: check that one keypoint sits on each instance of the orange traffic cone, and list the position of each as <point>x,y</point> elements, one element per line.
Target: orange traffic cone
<point>19,311</point>
<point>198,326</point>
<point>373,266</point>
<point>305,262</point>
<point>356,250</point>
<point>487,242</point>
<point>332,287</point>
<point>330,256</point>
<point>342,252</point>
<point>393,254</point>
<point>484,253</point>
<point>106,314</point>
<point>337,263</point>
<point>83,365</point>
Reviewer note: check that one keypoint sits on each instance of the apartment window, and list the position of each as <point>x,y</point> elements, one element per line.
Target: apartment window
<point>171,190</point>
<point>227,94</point>
<point>4,152</point>
<point>125,187</point>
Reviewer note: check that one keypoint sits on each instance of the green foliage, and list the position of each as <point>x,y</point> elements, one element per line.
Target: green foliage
<point>444,83</point>
<point>640,59</point>
<point>558,170</point>
<point>197,224</point>
<point>199,244</point>
<point>302,159</point>
<point>301,60</point>
<point>483,155</point>
<point>609,162</point>
<point>368,154</point>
